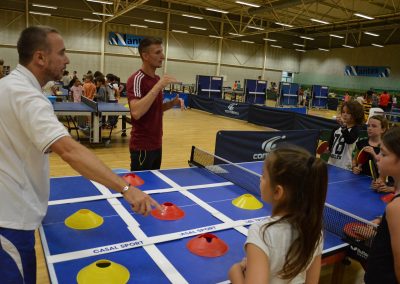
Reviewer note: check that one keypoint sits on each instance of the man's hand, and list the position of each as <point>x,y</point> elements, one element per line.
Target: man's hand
<point>140,202</point>
<point>165,81</point>
<point>178,102</point>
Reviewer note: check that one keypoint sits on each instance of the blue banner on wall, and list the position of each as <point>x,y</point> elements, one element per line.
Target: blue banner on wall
<point>124,39</point>
<point>367,71</point>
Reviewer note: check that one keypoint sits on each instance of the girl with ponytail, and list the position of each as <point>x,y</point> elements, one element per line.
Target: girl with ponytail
<point>287,246</point>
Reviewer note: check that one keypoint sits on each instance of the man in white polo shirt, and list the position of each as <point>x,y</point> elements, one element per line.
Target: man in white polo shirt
<point>29,129</point>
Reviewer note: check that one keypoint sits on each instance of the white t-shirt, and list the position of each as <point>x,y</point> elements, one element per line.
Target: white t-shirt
<point>28,127</point>
<point>341,153</point>
<point>278,239</point>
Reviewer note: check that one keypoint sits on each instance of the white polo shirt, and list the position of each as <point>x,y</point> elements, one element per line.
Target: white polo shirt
<point>28,127</point>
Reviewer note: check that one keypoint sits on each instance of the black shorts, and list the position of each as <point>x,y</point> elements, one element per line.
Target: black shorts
<point>145,160</point>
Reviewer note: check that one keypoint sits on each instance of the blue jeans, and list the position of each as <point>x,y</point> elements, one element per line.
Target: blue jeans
<point>17,256</point>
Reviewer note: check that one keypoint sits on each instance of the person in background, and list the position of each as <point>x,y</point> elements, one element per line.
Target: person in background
<point>287,246</point>
<point>377,125</point>
<point>25,148</point>
<point>384,100</point>
<point>383,263</point>
<point>346,97</point>
<point>66,79</point>
<point>101,91</point>
<point>89,88</point>
<point>76,91</point>
<point>342,141</point>
<point>144,91</point>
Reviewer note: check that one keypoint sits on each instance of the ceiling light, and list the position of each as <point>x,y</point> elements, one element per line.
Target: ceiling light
<point>214,36</point>
<point>301,50</point>
<point>247,41</point>
<point>377,45</point>
<point>39,13</point>
<point>179,31</point>
<point>92,20</point>
<point>371,34</point>
<point>269,39</point>
<point>306,37</point>
<point>320,21</point>
<point>234,34</point>
<point>197,28</point>
<point>302,45</point>
<point>153,21</point>
<point>255,28</point>
<point>216,10</point>
<point>284,25</point>
<point>348,46</point>
<point>44,6</point>
<point>276,46</point>
<point>102,14</point>
<point>192,16</point>
<point>323,49</point>
<point>138,26</point>
<point>248,4</point>
<point>363,16</point>
<point>337,36</point>
<point>101,2</point>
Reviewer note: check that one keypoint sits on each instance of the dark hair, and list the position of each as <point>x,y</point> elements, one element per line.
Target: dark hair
<point>146,42</point>
<point>100,79</point>
<point>1,61</point>
<point>391,140</point>
<point>31,40</point>
<point>384,122</point>
<point>356,110</point>
<point>65,73</point>
<point>98,74</point>
<point>305,181</point>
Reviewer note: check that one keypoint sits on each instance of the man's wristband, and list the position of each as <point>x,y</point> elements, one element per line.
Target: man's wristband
<point>126,188</point>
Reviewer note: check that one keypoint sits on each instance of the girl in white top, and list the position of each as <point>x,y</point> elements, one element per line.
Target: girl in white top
<point>286,247</point>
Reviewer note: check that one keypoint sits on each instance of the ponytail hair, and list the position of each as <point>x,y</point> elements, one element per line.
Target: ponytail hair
<point>305,181</point>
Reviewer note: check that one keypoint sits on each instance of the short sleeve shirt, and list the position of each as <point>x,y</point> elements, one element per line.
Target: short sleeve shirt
<point>28,127</point>
<point>275,244</point>
<point>146,132</point>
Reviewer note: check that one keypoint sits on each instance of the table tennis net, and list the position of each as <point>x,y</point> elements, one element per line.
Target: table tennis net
<point>245,178</point>
<point>356,231</point>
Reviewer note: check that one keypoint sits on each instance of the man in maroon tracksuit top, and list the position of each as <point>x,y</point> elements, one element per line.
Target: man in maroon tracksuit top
<point>144,91</point>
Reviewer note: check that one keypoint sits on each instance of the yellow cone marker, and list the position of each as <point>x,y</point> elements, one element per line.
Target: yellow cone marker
<point>248,202</point>
<point>102,272</point>
<point>84,219</point>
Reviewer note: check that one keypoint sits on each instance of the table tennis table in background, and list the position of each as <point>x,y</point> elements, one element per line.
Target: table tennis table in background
<point>154,251</point>
<point>95,111</point>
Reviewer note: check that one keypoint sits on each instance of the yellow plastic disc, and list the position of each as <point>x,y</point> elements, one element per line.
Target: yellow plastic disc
<point>102,272</point>
<point>248,202</point>
<point>84,219</point>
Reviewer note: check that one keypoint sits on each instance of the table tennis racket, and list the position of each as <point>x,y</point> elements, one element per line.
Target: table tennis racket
<point>374,170</point>
<point>322,147</point>
<point>358,231</point>
<point>362,157</point>
<point>387,198</point>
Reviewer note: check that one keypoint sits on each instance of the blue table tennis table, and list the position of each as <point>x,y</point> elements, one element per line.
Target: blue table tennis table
<point>95,111</point>
<point>154,251</point>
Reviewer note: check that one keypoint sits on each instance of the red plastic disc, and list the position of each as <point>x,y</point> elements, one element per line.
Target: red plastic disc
<point>133,179</point>
<point>170,212</point>
<point>207,245</point>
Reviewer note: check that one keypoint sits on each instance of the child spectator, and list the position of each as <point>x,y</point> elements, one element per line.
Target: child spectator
<point>376,127</point>
<point>101,91</point>
<point>286,247</point>
<point>342,142</point>
<point>89,88</point>
<point>77,91</point>
<point>383,264</point>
